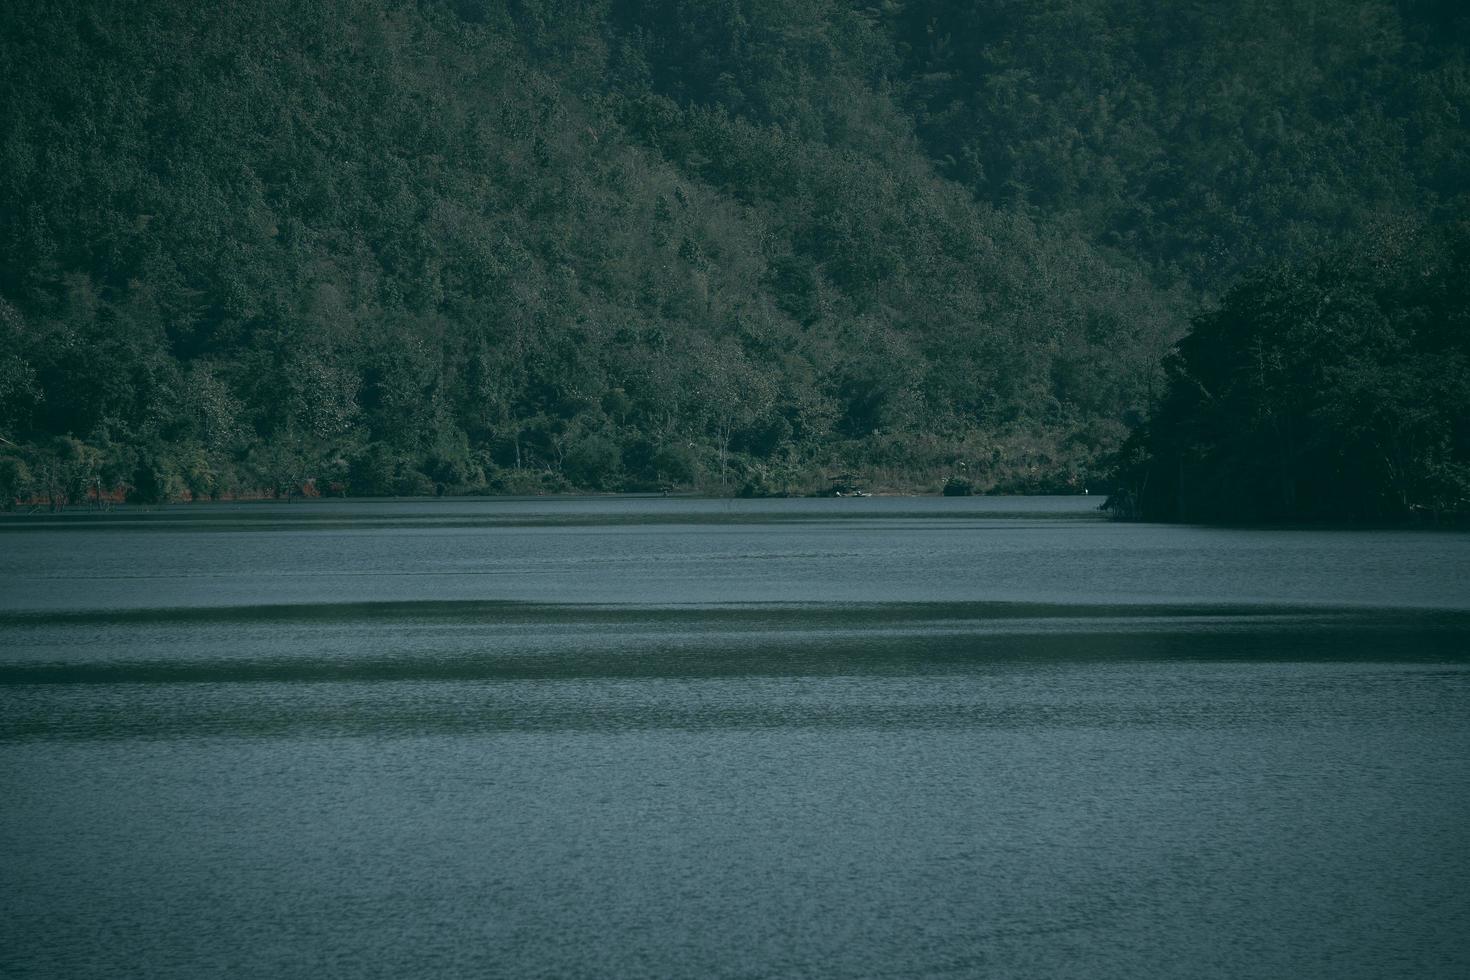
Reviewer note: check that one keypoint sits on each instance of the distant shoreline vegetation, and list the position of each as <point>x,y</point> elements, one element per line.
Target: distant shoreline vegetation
<point>69,473</point>
<point>457,246</point>
<point>1336,389</point>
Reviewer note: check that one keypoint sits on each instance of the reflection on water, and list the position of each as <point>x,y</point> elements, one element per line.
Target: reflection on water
<point>774,738</point>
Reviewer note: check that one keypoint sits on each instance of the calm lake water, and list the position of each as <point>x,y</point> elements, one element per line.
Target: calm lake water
<point>670,737</point>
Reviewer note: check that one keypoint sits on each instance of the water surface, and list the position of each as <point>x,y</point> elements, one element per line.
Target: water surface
<point>659,737</point>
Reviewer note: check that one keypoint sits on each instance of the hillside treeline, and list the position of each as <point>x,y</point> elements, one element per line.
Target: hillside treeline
<point>407,247</point>
<point>1335,388</point>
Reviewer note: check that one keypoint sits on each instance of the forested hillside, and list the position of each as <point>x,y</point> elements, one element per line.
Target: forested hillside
<point>399,247</point>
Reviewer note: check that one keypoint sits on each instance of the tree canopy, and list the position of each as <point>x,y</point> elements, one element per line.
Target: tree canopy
<point>407,246</point>
<point>1332,388</point>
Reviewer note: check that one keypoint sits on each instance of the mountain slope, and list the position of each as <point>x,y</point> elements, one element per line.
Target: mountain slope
<point>606,244</point>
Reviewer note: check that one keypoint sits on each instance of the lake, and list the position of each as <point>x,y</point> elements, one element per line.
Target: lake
<point>686,737</point>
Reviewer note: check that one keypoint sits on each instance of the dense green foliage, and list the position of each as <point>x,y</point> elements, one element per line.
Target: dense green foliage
<point>1204,137</point>
<point>1336,388</point>
<point>400,247</point>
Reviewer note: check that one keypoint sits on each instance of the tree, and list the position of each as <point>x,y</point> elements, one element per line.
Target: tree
<point>1332,388</point>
